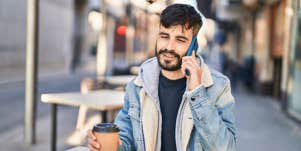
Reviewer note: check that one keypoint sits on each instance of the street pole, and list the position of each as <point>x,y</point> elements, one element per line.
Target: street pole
<point>31,70</point>
<point>254,15</point>
<point>130,31</point>
<point>101,55</point>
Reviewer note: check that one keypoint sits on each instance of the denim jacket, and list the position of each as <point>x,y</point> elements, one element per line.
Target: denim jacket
<point>205,119</point>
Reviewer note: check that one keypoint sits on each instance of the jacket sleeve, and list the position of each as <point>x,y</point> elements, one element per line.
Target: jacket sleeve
<point>123,121</point>
<point>214,119</point>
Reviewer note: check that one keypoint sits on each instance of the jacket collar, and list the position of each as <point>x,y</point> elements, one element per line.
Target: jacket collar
<point>148,76</point>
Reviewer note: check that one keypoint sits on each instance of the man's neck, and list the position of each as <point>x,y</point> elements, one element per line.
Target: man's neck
<point>172,75</point>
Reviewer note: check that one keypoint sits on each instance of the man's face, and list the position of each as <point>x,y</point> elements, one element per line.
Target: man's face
<point>172,44</point>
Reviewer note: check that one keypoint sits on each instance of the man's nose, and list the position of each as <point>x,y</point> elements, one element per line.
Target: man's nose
<point>170,45</point>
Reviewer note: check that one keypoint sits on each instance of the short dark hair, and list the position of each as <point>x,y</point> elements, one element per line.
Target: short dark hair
<point>181,14</point>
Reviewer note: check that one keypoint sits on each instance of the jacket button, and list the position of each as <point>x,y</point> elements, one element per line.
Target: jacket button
<point>192,98</point>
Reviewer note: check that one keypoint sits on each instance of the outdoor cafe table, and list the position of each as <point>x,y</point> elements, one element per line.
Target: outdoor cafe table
<point>119,80</point>
<point>102,100</point>
<point>78,148</point>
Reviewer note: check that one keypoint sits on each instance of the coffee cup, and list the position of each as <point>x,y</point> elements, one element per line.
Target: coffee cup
<point>107,135</point>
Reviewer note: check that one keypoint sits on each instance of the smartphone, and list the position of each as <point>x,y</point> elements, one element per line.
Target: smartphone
<point>192,47</point>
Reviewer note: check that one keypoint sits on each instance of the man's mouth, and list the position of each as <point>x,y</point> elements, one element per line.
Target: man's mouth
<point>168,56</point>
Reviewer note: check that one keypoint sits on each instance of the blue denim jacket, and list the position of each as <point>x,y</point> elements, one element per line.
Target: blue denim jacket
<point>205,120</point>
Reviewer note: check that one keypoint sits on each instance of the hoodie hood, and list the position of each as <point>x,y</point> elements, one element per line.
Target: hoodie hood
<point>148,77</point>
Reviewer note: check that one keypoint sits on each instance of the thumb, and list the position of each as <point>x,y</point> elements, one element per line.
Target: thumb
<point>202,41</point>
<point>120,142</point>
<point>193,53</point>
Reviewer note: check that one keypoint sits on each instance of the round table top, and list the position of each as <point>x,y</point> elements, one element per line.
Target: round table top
<point>100,99</point>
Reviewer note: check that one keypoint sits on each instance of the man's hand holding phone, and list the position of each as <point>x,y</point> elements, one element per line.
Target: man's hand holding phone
<point>191,64</point>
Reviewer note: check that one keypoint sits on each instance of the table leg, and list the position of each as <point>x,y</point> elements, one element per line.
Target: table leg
<point>104,116</point>
<point>53,126</point>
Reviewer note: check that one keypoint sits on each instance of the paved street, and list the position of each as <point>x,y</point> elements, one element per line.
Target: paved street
<point>12,113</point>
<point>261,124</point>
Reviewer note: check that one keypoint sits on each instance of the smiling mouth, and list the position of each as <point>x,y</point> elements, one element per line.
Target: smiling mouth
<point>169,56</point>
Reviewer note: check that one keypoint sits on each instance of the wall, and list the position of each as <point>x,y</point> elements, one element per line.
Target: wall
<point>55,38</point>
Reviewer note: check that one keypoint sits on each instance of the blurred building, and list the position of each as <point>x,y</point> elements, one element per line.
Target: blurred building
<point>55,37</point>
<point>68,41</point>
<point>291,79</point>
<point>268,33</point>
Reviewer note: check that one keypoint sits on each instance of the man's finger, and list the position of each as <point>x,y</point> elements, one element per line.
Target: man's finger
<point>183,69</point>
<point>92,148</point>
<point>120,142</point>
<point>193,59</point>
<point>193,53</point>
<point>91,135</point>
<point>188,66</point>
<point>192,62</point>
<point>93,143</point>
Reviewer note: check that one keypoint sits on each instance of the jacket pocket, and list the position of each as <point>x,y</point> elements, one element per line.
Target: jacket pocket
<point>134,113</point>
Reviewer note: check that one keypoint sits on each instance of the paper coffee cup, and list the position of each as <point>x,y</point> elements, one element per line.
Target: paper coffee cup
<point>107,135</point>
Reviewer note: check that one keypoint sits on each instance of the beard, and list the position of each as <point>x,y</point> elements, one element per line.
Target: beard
<point>169,65</point>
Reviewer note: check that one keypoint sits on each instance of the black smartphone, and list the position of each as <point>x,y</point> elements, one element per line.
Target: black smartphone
<point>192,47</point>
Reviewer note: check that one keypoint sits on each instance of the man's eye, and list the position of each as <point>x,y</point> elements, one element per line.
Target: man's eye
<point>164,37</point>
<point>180,40</point>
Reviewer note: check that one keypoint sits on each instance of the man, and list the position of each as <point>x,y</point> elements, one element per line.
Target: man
<point>167,110</point>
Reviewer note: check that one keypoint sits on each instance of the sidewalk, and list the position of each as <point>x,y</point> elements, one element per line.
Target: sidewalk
<point>12,113</point>
<point>12,140</point>
<point>261,124</point>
